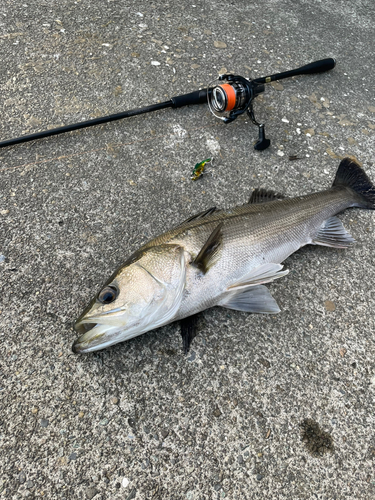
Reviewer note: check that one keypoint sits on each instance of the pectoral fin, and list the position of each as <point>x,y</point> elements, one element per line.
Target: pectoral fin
<point>256,299</point>
<point>202,260</point>
<point>333,234</point>
<point>262,274</point>
<point>188,331</point>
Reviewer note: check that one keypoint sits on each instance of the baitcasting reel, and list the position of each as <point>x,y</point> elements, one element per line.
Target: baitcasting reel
<point>232,98</point>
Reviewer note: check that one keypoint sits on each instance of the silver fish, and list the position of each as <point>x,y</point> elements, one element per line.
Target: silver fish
<point>219,258</point>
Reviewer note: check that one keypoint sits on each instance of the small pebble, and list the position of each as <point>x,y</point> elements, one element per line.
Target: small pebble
<point>309,132</point>
<point>277,86</point>
<point>192,357</point>
<point>114,401</point>
<point>21,477</point>
<point>73,456</point>
<point>125,482</point>
<point>44,422</point>
<point>132,494</point>
<point>131,422</point>
<point>342,352</point>
<point>329,305</point>
<point>91,492</point>
<point>217,412</point>
<point>29,484</point>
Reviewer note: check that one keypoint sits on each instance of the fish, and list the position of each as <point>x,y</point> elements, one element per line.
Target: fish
<point>219,258</point>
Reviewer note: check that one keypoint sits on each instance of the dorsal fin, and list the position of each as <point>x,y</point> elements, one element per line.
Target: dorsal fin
<point>201,215</point>
<point>261,195</point>
<point>202,260</point>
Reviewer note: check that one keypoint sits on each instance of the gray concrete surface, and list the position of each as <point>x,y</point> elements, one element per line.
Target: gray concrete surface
<point>237,418</point>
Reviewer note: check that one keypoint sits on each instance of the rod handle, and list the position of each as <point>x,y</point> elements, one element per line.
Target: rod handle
<point>197,97</point>
<point>308,69</point>
<point>317,66</point>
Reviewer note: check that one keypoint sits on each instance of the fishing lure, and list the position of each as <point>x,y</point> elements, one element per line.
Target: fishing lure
<point>199,168</point>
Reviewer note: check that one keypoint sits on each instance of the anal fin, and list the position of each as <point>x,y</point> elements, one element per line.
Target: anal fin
<point>188,331</point>
<point>333,234</point>
<point>256,299</point>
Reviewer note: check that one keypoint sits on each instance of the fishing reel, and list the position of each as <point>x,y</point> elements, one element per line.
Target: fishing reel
<point>233,95</point>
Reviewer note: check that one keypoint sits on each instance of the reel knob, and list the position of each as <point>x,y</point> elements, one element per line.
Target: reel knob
<point>262,142</point>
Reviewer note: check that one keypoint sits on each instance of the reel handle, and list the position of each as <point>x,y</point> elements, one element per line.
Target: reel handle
<point>308,69</point>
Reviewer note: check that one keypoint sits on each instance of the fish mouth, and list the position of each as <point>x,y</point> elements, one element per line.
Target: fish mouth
<point>94,336</point>
<point>82,328</point>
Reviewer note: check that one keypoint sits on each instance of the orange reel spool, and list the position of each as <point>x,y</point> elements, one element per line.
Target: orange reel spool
<point>231,96</point>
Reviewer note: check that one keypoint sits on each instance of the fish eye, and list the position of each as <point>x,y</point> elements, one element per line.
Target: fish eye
<point>108,294</point>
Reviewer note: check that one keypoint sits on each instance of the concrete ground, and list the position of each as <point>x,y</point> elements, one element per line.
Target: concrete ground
<point>262,407</point>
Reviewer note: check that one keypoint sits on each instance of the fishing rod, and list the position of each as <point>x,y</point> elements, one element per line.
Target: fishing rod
<point>228,98</point>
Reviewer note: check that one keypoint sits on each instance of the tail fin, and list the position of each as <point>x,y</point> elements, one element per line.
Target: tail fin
<point>351,175</point>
